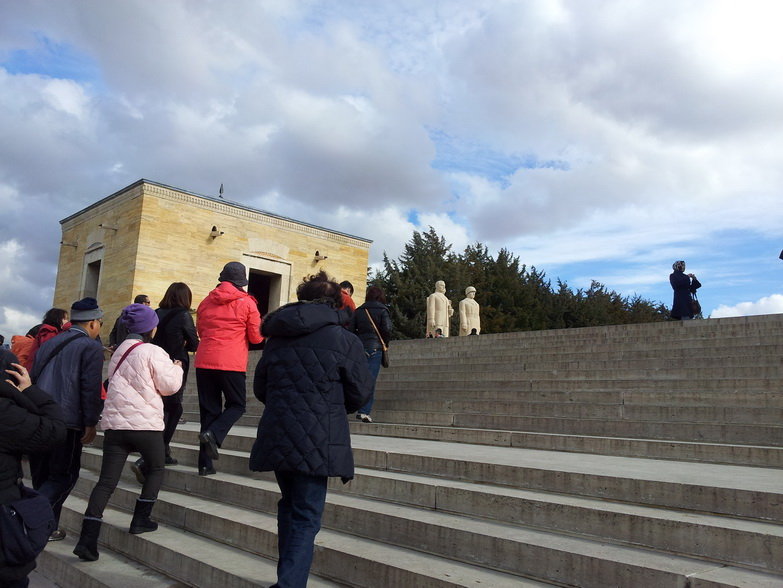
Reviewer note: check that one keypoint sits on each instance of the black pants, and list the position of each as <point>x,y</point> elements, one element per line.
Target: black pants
<point>172,407</point>
<point>117,445</point>
<point>213,385</point>
<point>54,474</point>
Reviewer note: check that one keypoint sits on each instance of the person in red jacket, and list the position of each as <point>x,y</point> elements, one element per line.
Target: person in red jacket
<point>227,321</point>
<point>55,321</point>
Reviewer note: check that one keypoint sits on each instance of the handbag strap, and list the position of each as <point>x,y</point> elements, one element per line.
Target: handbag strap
<point>372,322</point>
<point>124,355</point>
<point>54,352</point>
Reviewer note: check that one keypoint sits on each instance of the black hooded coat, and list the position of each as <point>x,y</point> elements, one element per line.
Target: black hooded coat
<point>312,373</point>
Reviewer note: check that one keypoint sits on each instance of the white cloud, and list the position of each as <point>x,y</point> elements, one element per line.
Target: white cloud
<point>16,323</point>
<point>663,116</point>
<point>767,305</point>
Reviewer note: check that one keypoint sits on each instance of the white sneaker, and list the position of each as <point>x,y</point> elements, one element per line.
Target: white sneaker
<point>366,418</point>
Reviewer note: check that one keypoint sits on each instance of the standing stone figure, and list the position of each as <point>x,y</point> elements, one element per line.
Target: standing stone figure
<point>469,313</point>
<point>439,310</point>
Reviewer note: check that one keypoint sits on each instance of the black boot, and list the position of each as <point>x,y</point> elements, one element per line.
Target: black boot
<point>169,459</point>
<point>141,522</point>
<point>87,547</point>
<point>139,468</point>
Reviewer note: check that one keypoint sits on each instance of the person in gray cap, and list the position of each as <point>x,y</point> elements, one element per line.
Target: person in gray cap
<point>69,367</point>
<point>227,321</point>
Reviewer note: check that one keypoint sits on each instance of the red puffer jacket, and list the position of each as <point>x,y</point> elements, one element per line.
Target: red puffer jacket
<point>227,320</point>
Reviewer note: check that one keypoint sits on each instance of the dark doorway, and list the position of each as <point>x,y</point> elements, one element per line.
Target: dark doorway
<point>260,286</point>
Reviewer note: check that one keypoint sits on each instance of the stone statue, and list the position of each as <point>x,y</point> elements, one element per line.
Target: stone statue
<point>439,310</point>
<point>469,320</point>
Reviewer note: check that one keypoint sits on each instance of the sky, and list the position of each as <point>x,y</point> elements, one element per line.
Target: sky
<point>596,139</point>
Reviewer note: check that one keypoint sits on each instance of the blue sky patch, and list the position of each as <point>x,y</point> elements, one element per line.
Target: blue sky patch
<point>456,154</point>
<point>55,60</point>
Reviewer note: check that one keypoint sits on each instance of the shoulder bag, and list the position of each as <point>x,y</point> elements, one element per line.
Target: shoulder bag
<point>119,363</point>
<point>695,305</point>
<point>385,356</point>
<point>25,526</point>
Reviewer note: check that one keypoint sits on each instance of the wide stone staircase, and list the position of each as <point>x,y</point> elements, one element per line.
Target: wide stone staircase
<point>625,456</point>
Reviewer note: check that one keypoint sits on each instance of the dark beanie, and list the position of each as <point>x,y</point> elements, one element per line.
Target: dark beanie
<point>235,273</point>
<point>84,310</point>
<point>139,318</point>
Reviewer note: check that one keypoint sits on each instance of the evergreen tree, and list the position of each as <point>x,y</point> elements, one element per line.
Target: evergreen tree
<point>512,297</point>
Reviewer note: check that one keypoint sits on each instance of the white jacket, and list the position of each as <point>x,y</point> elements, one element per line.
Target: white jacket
<point>133,400</point>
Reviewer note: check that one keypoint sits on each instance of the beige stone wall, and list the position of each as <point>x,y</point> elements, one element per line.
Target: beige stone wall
<point>163,236</point>
<point>116,247</point>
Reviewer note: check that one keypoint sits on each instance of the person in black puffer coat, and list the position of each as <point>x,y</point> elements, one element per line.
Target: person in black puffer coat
<point>313,372</point>
<point>29,421</point>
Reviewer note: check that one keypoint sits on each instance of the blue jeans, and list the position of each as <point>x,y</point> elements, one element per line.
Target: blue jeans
<point>298,522</point>
<point>374,357</point>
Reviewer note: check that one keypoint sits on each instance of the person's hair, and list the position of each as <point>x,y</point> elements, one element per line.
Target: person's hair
<point>347,285</point>
<point>33,331</point>
<point>140,299</point>
<point>55,317</point>
<point>146,337</point>
<point>375,294</point>
<point>321,288</point>
<point>6,359</point>
<point>178,295</point>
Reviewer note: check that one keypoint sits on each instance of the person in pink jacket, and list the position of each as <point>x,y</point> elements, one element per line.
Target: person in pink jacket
<point>139,374</point>
<point>227,321</point>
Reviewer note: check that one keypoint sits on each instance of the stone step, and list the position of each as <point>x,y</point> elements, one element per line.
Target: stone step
<point>529,370</point>
<point>710,432</point>
<point>747,543</point>
<point>695,397</point>
<point>761,455</point>
<point>722,414</point>
<point>695,352</point>
<point>719,453</point>
<point>58,563</point>
<point>339,557</point>
<point>638,355</point>
<point>184,555</point>
<point>602,337</point>
<point>647,412</point>
<point>494,381</point>
<point>748,492</point>
<point>502,545</point>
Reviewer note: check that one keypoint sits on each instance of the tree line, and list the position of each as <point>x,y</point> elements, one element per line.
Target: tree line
<point>512,297</point>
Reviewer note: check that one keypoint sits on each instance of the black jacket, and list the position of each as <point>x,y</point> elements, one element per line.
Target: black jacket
<point>360,324</point>
<point>73,376</point>
<point>311,374</point>
<point>684,288</point>
<point>30,421</point>
<point>178,333</point>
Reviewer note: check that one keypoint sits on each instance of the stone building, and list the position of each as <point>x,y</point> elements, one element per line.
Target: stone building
<point>148,235</point>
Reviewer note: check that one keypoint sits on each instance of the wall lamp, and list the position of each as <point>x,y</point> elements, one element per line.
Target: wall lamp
<point>74,244</point>
<point>215,233</point>
<point>109,227</point>
<point>319,257</point>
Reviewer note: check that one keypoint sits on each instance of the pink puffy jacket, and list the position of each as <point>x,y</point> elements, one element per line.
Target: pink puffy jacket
<point>227,320</point>
<point>133,401</point>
